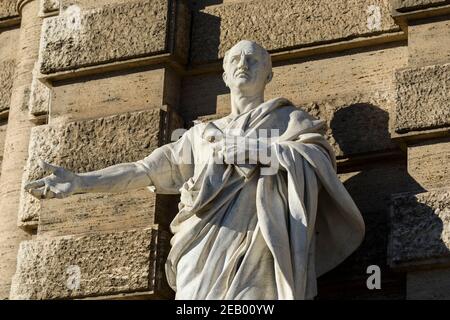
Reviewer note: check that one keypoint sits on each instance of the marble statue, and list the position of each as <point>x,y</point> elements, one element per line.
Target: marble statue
<point>262,212</point>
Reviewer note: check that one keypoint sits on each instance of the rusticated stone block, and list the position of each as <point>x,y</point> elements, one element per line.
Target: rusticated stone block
<point>8,9</point>
<point>420,229</point>
<point>423,98</point>
<point>39,96</point>
<point>282,25</point>
<point>90,145</point>
<point>429,163</point>
<point>92,265</point>
<point>6,82</point>
<point>81,37</point>
<point>412,5</point>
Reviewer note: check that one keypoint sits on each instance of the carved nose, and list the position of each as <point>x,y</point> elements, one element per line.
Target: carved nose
<point>243,63</point>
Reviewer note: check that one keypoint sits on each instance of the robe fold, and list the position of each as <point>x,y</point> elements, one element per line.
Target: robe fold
<point>242,234</point>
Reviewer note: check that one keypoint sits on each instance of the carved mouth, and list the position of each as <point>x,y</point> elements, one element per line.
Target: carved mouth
<point>242,74</point>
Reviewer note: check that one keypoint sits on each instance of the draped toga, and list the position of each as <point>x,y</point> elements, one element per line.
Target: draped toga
<point>241,234</point>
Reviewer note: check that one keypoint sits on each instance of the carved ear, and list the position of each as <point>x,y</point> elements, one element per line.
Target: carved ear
<point>224,77</point>
<point>269,77</point>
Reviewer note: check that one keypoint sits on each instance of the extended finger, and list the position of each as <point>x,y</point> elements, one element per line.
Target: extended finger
<point>34,184</point>
<point>46,190</point>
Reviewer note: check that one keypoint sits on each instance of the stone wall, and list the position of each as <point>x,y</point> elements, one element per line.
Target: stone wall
<point>86,84</point>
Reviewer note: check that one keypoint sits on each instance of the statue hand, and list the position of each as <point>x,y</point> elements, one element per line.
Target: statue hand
<point>62,183</point>
<point>239,152</point>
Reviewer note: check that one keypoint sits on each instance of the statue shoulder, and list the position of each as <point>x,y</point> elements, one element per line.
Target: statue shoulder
<point>285,113</point>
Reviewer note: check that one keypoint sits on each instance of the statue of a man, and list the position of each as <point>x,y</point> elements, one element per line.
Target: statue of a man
<point>243,231</point>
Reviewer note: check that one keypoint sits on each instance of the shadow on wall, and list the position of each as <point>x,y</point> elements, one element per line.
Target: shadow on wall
<point>361,126</point>
<point>371,185</point>
<point>205,102</point>
<point>204,49</point>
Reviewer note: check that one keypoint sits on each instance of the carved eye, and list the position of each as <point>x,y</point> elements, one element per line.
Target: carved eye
<point>252,60</point>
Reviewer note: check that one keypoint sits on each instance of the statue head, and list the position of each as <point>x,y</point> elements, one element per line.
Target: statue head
<point>247,68</point>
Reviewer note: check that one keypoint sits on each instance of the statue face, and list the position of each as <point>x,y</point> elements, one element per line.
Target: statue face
<point>247,68</point>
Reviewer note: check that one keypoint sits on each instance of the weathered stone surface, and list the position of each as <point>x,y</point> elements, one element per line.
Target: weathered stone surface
<point>3,126</point>
<point>97,213</point>
<point>48,6</point>
<point>429,163</point>
<point>89,4</point>
<point>90,265</point>
<point>281,25</point>
<point>420,229</point>
<point>6,82</point>
<point>428,285</point>
<point>8,44</point>
<point>8,9</point>
<point>79,38</point>
<point>106,95</point>
<point>411,5</point>
<point>90,145</point>
<point>428,43</point>
<point>353,91</point>
<point>22,44</point>
<point>423,98</point>
<point>39,102</point>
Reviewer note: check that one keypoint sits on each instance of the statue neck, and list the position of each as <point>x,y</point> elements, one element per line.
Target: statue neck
<point>241,103</point>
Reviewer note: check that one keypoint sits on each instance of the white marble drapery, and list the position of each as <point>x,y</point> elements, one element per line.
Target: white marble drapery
<point>256,236</point>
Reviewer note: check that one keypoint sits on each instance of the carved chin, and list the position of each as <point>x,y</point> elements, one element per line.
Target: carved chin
<point>242,81</point>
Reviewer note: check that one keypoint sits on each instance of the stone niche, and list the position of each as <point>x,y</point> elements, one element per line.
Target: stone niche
<point>84,35</point>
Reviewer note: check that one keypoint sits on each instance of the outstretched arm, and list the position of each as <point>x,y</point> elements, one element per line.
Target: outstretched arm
<point>161,169</point>
<point>63,183</point>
